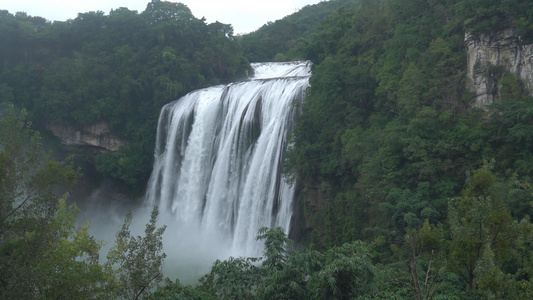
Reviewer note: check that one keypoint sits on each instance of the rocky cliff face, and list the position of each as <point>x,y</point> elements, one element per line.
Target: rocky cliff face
<point>490,54</point>
<point>97,136</point>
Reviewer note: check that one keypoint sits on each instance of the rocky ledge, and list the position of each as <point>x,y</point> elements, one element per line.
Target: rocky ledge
<point>97,136</point>
<point>501,49</point>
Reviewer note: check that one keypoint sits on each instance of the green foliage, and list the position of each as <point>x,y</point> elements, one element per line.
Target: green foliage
<point>412,208</point>
<point>387,139</point>
<point>43,253</point>
<point>129,164</point>
<point>387,134</point>
<point>276,247</point>
<point>119,68</point>
<point>41,250</point>
<point>234,278</point>
<point>340,273</point>
<point>177,291</point>
<point>423,256</point>
<point>487,245</point>
<point>347,272</point>
<point>292,279</point>
<point>482,230</point>
<point>137,262</point>
<point>286,37</point>
<point>511,117</point>
<point>29,176</point>
<point>491,15</point>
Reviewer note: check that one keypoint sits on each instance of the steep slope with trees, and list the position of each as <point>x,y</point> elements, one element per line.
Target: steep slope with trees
<point>388,140</point>
<point>388,133</point>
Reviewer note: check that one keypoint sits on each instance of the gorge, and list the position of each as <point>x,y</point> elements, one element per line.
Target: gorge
<point>401,168</point>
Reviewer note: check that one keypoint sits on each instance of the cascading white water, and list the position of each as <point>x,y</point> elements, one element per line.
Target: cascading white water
<point>219,152</point>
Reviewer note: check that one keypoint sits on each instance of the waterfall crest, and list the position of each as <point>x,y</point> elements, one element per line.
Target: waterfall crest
<point>219,151</point>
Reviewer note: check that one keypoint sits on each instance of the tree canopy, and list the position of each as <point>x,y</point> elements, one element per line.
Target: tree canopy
<point>43,253</point>
<point>120,68</point>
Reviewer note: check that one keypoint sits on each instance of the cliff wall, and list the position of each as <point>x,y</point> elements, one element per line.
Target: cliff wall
<point>97,136</point>
<point>490,54</point>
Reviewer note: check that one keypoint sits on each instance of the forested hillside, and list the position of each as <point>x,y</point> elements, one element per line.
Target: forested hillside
<point>388,128</point>
<point>389,145</point>
<point>407,190</point>
<point>120,68</point>
<point>281,40</point>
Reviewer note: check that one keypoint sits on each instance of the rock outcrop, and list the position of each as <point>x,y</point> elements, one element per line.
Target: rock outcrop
<point>490,54</point>
<point>97,136</point>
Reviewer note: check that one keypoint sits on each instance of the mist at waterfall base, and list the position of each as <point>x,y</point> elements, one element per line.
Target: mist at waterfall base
<point>217,169</point>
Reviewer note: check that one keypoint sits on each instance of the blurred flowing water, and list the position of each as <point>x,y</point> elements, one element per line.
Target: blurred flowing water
<point>218,156</point>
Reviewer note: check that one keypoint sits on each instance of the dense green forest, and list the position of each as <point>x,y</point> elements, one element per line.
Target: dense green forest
<point>406,190</point>
<point>43,253</point>
<point>284,39</point>
<point>388,128</point>
<point>120,68</point>
<point>390,142</point>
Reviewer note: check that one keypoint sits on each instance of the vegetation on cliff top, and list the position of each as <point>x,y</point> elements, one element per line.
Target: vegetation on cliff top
<point>119,68</point>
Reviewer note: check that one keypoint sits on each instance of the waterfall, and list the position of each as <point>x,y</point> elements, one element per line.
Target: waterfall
<point>219,152</point>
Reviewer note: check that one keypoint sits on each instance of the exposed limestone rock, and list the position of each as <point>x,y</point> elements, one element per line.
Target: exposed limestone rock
<point>488,55</point>
<point>96,136</point>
